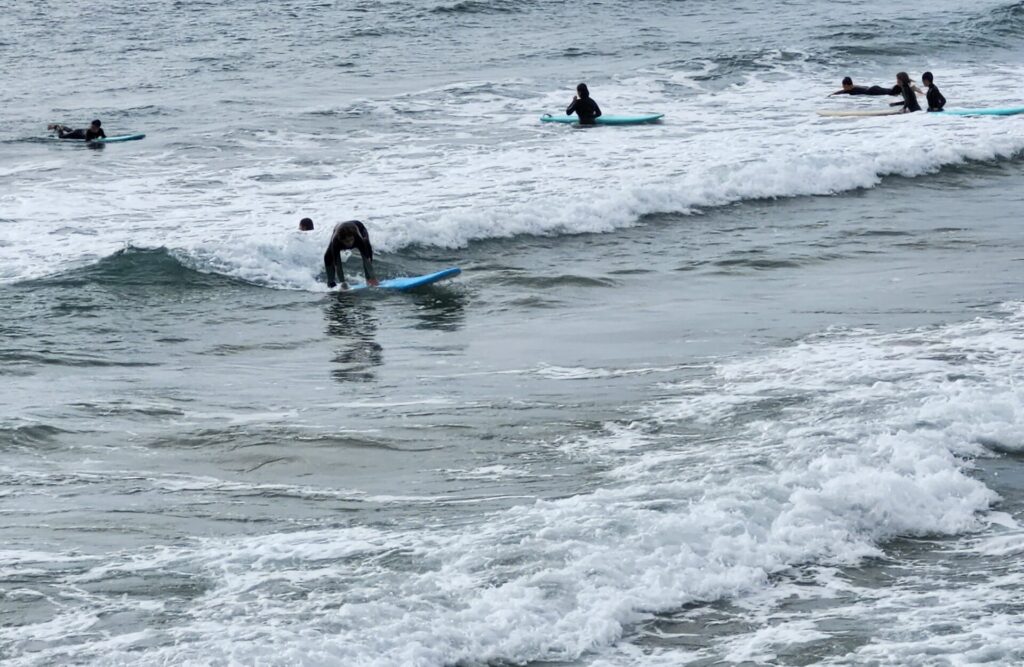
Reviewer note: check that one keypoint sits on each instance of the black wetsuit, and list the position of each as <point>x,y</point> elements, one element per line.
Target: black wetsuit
<point>873,90</point>
<point>935,99</point>
<point>909,99</point>
<point>360,241</point>
<point>87,135</point>
<point>586,108</point>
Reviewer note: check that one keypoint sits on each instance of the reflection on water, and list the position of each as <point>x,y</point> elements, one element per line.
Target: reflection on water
<point>440,308</point>
<point>354,323</point>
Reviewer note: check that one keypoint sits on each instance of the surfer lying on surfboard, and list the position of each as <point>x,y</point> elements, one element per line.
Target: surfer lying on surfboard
<point>95,131</point>
<point>850,89</point>
<point>346,236</point>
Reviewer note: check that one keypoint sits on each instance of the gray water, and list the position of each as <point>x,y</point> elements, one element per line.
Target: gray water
<point>706,392</point>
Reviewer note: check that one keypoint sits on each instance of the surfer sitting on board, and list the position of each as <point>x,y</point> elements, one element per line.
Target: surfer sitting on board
<point>346,236</point>
<point>936,101</point>
<point>850,89</point>
<point>95,131</point>
<point>584,106</point>
<point>909,102</point>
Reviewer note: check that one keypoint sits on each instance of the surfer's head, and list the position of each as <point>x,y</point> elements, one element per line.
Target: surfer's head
<point>926,78</point>
<point>306,225</point>
<point>583,91</point>
<point>847,83</point>
<point>903,79</point>
<point>96,123</point>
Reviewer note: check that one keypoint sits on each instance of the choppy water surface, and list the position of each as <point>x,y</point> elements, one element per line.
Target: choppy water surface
<point>739,388</point>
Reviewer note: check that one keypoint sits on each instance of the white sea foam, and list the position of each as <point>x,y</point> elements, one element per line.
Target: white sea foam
<point>814,454</point>
<point>442,177</point>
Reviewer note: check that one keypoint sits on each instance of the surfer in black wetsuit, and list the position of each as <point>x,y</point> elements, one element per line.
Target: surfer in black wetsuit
<point>936,101</point>
<point>850,89</point>
<point>584,106</point>
<point>346,236</point>
<point>909,102</point>
<point>94,132</point>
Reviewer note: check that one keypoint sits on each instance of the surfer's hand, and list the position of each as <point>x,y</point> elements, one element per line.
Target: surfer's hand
<point>344,286</point>
<point>373,282</point>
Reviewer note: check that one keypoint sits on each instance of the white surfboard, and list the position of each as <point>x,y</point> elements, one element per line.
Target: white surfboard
<point>873,112</point>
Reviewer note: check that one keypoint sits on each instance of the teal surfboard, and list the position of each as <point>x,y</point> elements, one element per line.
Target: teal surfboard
<point>120,137</point>
<point>405,284</point>
<point>107,140</point>
<point>606,120</point>
<point>1009,111</point>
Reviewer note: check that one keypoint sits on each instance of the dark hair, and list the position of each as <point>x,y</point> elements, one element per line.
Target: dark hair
<point>306,225</point>
<point>583,91</point>
<point>847,81</point>
<point>903,78</point>
<point>927,76</point>
<point>97,123</point>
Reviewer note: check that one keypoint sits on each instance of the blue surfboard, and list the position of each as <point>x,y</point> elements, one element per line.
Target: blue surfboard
<point>120,137</point>
<point>108,140</point>
<point>606,120</point>
<point>1009,111</point>
<point>404,284</point>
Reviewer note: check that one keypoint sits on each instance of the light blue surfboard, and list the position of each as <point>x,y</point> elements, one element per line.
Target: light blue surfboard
<point>404,284</point>
<point>107,140</point>
<point>120,137</point>
<point>1009,111</point>
<point>606,120</point>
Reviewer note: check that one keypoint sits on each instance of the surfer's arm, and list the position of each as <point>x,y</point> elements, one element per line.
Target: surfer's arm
<point>332,262</point>
<point>597,110</point>
<point>371,278</point>
<point>366,252</point>
<point>571,108</point>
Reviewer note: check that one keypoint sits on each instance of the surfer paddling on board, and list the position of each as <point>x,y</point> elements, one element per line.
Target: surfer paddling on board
<point>850,89</point>
<point>909,102</point>
<point>95,131</point>
<point>584,106</point>
<point>936,101</point>
<point>346,236</point>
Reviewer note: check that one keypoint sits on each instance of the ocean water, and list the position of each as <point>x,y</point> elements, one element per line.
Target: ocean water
<point>741,388</point>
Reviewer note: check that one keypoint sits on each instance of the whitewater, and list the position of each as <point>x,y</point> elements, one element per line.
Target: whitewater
<point>742,387</point>
<point>469,162</point>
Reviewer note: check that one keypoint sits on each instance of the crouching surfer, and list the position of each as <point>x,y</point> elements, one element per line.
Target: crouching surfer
<point>94,132</point>
<point>346,236</point>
